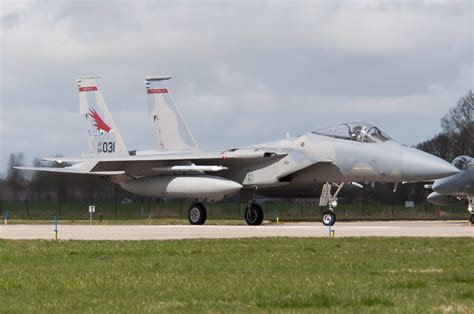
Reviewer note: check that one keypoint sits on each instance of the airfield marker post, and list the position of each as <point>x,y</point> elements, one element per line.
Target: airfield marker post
<point>331,232</point>
<point>91,210</point>
<point>5,217</point>
<point>55,232</point>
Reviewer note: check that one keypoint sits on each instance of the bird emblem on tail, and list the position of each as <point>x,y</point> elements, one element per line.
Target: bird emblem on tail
<point>98,122</point>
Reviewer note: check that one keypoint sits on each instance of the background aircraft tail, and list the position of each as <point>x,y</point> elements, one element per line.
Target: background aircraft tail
<point>171,131</point>
<point>102,132</point>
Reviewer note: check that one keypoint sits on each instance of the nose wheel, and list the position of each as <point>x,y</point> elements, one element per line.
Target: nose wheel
<point>197,214</point>
<point>329,218</point>
<point>254,215</point>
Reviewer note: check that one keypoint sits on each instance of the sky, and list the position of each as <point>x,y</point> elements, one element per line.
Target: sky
<point>243,72</point>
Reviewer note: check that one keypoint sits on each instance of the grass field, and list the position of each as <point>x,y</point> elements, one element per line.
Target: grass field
<point>270,275</point>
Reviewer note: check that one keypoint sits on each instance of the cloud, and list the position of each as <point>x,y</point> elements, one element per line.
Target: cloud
<point>394,28</point>
<point>242,72</point>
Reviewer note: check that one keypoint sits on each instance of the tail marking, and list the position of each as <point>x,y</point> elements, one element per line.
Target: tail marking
<point>157,91</point>
<point>88,89</point>
<point>98,122</point>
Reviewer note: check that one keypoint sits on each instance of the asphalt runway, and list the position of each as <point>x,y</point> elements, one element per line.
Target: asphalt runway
<point>169,232</point>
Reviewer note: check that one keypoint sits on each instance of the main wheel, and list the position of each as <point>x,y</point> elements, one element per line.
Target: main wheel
<point>197,214</point>
<point>254,215</point>
<point>329,218</point>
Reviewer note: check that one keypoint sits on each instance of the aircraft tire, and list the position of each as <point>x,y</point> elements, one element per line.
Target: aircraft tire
<point>197,214</point>
<point>471,219</point>
<point>329,218</point>
<point>254,215</point>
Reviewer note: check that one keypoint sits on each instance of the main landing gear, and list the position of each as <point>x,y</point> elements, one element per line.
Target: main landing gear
<point>197,214</point>
<point>254,214</point>
<point>327,199</point>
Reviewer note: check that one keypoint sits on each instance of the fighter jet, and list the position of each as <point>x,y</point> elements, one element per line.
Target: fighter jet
<point>456,188</point>
<point>177,168</point>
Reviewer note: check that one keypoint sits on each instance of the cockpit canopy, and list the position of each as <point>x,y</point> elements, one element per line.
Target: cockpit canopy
<point>355,131</point>
<point>462,162</point>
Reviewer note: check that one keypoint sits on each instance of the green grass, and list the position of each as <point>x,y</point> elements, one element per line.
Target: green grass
<point>266,275</point>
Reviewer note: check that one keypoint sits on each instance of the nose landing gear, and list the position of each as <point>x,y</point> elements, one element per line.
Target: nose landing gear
<point>326,199</point>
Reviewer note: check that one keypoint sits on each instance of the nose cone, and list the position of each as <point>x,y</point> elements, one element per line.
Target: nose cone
<point>421,166</point>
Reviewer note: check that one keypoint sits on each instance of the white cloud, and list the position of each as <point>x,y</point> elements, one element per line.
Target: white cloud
<point>397,28</point>
<point>242,72</point>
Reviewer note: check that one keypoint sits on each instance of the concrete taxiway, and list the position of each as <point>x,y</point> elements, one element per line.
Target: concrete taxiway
<point>169,232</point>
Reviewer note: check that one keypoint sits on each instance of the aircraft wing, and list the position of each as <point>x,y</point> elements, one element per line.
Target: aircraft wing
<point>80,168</point>
<point>258,165</point>
<point>163,162</point>
<point>177,156</point>
<point>73,171</point>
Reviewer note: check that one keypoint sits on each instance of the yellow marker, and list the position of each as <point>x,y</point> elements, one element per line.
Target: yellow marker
<point>55,231</point>
<point>332,233</point>
<point>278,220</point>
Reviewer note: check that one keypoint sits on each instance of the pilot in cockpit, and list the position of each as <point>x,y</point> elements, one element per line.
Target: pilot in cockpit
<point>359,133</point>
<point>355,131</point>
<point>462,162</point>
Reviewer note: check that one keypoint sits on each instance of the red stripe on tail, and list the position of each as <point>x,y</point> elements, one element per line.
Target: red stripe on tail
<point>88,89</point>
<point>157,91</point>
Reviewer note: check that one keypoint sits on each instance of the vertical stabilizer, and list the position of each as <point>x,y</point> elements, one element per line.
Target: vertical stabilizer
<point>171,131</point>
<point>102,132</point>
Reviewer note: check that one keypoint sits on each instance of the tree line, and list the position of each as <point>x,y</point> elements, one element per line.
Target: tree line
<point>51,186</point>
<point>457,135</point>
